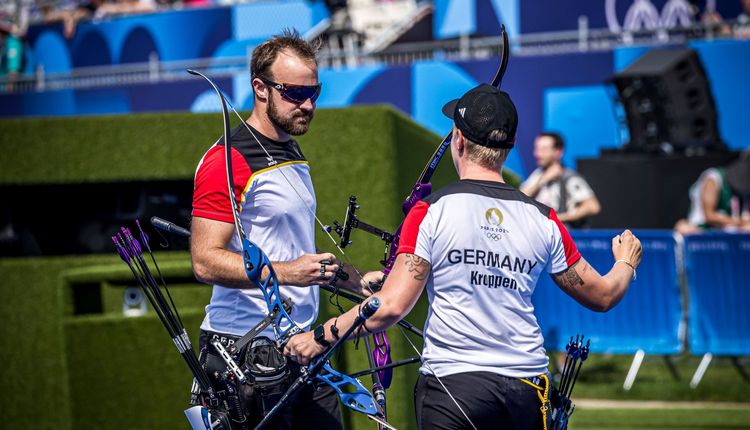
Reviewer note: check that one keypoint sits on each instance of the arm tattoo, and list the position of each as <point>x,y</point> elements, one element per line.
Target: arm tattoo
<point>418,266</point>
<point>570,278</point>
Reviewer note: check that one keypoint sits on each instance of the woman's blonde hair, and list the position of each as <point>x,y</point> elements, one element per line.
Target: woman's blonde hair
<point>489,158</point>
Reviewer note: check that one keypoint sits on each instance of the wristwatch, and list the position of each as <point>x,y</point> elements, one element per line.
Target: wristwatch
<point>320,336</point>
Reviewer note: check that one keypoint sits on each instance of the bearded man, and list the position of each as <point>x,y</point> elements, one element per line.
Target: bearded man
<point>277,204</point>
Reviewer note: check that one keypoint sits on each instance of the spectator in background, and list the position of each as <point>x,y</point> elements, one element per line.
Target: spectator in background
<point>742,26</point>
<point>95,9</point>
<point>558,187</point>
<point>744,16</point>
<point>198,3</point>
<point>720,199</point>
<point>11,53</point>
<point>70,17</point>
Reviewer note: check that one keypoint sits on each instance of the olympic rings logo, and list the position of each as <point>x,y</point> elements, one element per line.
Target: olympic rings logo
<point>493,236</point>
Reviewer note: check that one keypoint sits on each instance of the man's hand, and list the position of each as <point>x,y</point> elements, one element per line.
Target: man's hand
<point>302,348</point>
<point>587,208</point>
<point>308,269</point>
<point>371,282</point>
<point>626,246</point>
<point>551,174</point>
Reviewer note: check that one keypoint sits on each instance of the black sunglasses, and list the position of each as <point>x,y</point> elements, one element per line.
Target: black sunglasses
<point>295,93</point>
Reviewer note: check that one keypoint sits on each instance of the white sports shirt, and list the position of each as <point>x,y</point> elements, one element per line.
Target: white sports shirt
<point>273,216</point>
<point>488,243</point>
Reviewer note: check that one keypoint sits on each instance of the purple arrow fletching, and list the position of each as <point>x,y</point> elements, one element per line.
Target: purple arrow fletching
<point>127,240</point>
<point>135,247</point>
<point>126,236</point>
<point>120,250</point>
<point>123,244</point>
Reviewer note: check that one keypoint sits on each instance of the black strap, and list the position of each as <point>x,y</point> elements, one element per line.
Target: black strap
<point>563,206</point>
<point>265,322</point>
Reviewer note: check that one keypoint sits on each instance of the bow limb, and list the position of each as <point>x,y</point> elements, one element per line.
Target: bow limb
<point>254,259</point>
<point>227,149</point>
<point>351,392</point>
<point>497,80</point>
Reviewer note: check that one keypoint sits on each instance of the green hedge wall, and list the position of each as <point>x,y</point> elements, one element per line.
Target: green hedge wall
<point>71,360</point>
<point>100,149</point>
<point>45,355</point>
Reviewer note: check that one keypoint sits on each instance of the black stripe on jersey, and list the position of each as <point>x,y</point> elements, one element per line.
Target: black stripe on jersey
<point>255,157</point>
<point>491,189</point>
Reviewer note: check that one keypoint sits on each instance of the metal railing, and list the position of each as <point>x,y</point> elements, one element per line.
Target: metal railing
<point>462,48</point>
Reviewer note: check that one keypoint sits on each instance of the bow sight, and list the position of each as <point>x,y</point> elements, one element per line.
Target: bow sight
<point>352,221</point>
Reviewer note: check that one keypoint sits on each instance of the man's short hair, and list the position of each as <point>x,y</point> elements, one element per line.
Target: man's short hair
<point>557,140</point>
<point>289,40</point>
<point>485,156</point>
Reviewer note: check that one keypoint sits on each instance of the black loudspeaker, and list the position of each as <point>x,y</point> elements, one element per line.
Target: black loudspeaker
<point>668,103</point>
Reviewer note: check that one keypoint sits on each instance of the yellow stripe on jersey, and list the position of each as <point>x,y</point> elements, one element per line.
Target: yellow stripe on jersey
<point>267,169</point>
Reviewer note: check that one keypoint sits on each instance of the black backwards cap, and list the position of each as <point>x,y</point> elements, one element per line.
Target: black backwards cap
<point>482,110</point>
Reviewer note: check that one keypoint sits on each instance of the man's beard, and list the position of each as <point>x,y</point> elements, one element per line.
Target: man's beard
<point>296,125</point>
<point>545,164</point>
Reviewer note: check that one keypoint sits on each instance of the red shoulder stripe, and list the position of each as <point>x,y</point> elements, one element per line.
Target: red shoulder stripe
<point>571,251</point>
<point>410,228</point>
<point>210,196</point>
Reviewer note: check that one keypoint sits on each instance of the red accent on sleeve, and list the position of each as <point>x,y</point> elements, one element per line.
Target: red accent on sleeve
<point>410,228</point>
<point>571,251</point>
<point>210,192</point>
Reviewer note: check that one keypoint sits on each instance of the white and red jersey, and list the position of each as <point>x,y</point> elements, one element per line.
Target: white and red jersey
<point>488,244</point>
<point>277,206</point>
